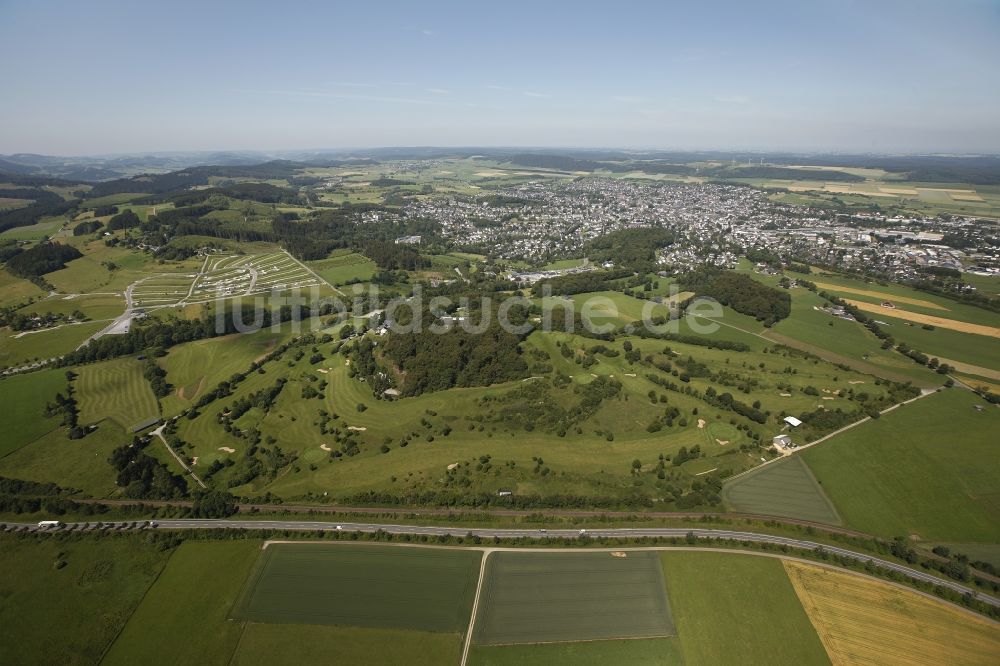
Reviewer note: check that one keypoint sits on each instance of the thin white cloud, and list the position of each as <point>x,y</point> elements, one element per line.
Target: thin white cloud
<point>529,93</point>
<point>369,98</point>
<point>352,84</point>
<point>492,87</point>
<point>437,91</point>
<point>732,99</point>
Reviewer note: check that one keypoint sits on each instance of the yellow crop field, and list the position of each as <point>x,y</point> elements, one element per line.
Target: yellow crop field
<point>881,294</point>
<point>862,621</point>
<point>940,322</point>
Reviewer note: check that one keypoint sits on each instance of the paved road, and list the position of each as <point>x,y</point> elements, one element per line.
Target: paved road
<point>489,533</point>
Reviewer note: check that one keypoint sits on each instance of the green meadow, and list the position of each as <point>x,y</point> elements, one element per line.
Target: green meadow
<point>755,615</point>
<point>927,469</point>
<point>24,398</point>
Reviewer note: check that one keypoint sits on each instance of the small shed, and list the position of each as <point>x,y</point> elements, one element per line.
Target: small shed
<point>792,421</point>
<point>782,441</point>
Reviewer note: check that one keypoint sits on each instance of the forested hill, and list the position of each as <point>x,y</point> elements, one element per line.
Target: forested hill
<point>185,178</point>
<point>740,292</point>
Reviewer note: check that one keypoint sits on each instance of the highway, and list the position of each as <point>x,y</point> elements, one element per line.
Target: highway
<point>489,533</point>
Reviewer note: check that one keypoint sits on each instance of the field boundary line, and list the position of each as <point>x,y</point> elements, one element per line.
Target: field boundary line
<point>475,606</point>
<point>828,436</point>
<point>107,648</point>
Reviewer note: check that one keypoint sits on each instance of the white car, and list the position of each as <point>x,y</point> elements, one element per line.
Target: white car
<point>583,531</point>
<point>339,527</point>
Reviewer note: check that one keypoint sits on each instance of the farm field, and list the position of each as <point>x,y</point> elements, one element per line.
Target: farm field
<point>81,464</point>
<point>115,390</point>
<point>987,330</point>
<point>15,290</point>
<point>94,306</point>
<point>343,267</point>
<point>87,600</point>
<point>732,608</point>
<point>638,652</point>
<point>423,589</point>
<point>269,644</point>
<point>19,349</point>
<point>980,352</point>
<point>848,339</point>
<point>927,469</point>
<point>902,296</point>
<point>786,488</point>
<point>553,597</point>
<point>860,620</point>
<point>183,617</point>
<point>24,398</point>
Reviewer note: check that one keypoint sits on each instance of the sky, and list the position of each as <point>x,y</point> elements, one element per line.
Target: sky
<point>102,77</point>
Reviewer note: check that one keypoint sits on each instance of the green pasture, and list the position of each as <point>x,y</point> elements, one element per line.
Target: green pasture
<point>69,613</point>
<point>21,348</point>
<point>927,469</point>
<point>343,268</point>
<point>183,617</point>
<point>95,306</point>
<point>24,398</point>
<point>738,609</point>
<point>81,464</point>
<point>15,290</point>
<point>44,228</point>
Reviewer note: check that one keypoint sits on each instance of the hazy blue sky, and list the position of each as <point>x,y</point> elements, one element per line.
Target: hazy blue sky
<point>102,77</point>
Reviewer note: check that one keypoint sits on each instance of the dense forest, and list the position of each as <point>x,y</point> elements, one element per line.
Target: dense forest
<point>435,362</point>
<point>87,227</point>
<point>196,176</point>
<point>631,249</point>
<point>42,259</point>
<point>740,292</point>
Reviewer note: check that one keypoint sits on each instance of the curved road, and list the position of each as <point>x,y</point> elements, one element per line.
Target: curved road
<point>489,533</point>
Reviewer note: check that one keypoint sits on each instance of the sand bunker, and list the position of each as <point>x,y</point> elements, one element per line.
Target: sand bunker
<point>226,449</point>
<point>701,423</point>
<point>324,447</point>
<point>358,428</point>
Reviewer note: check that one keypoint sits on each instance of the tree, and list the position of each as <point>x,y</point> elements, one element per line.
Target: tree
<point>215,504</point>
